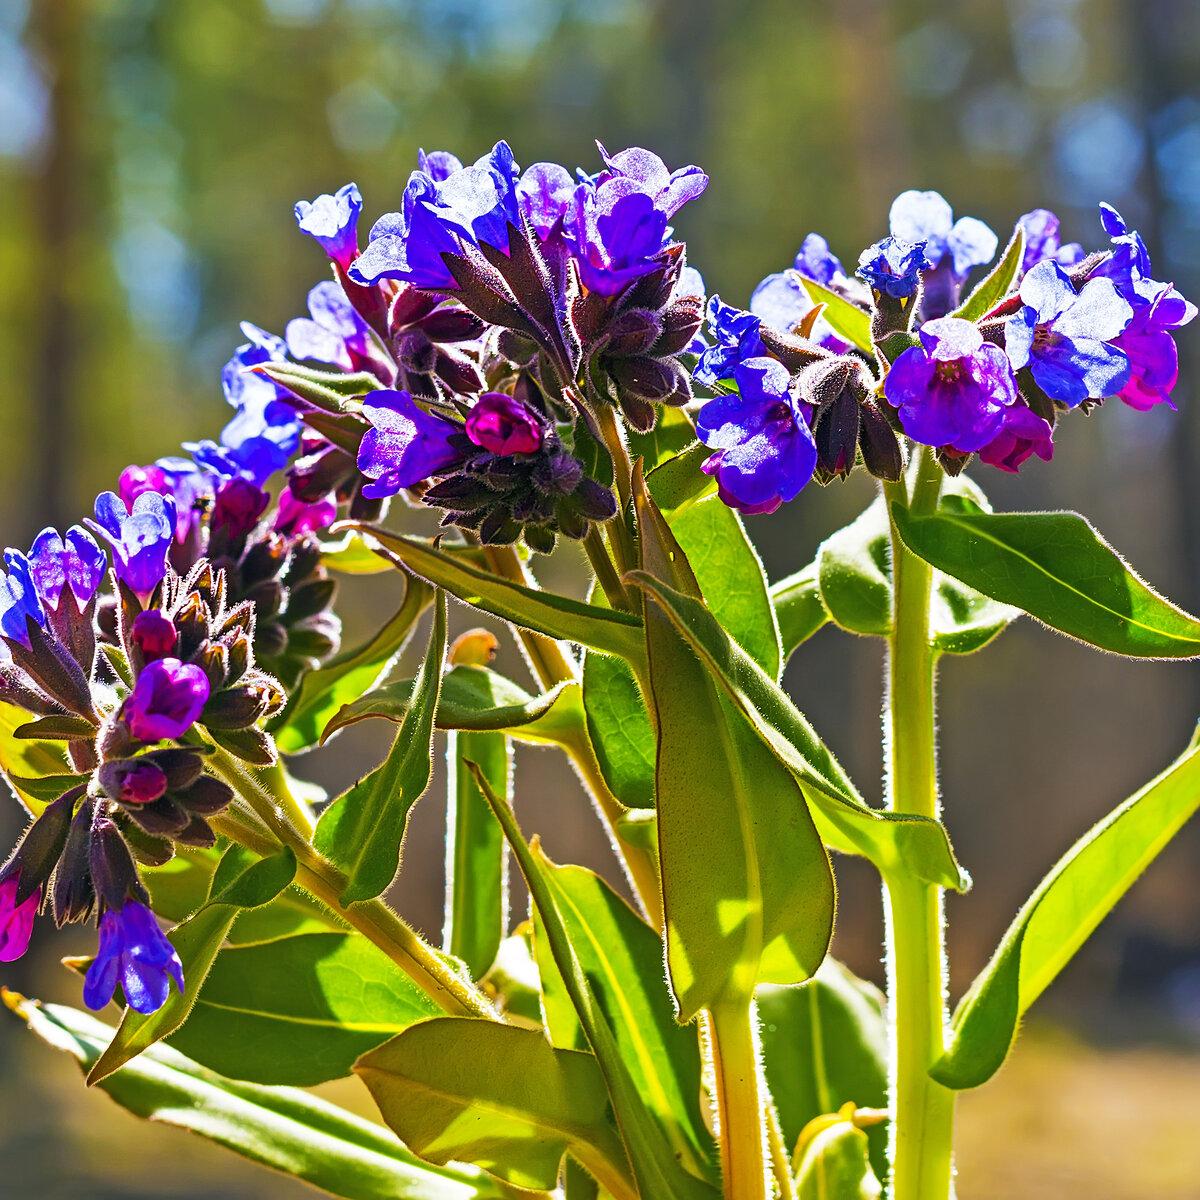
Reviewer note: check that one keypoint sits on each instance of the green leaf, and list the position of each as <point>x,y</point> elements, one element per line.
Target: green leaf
<point>832,1161</point>
<point>350,555</point>
<point>299,1010</point>
<point>854,573</point>
<point>55,729</point>
<point>799,609</point>
<point>1080,890</point>
<point>45,788</point>
<point>1057,568</point>
<point>848,320</point>
<point>361,832</point>
<point>460,1089</point>
<point>845,821</point>
<point>622,958</point>
<point>672,433</point>
<point>324,691</point>
<point>25,759</point>
<point>476,862</point>
<point>747,886</point>
<point>824,1045</point>
<point>658,1172</point>
<point>197,941</point>
<point>679,481</point>
<point>997,283</point>
<point>531,608</point>
<point>619,728</point>
<point>280,1128</point>
<point>480,700</point>
<point>328,390</point>
<point>514,976</point>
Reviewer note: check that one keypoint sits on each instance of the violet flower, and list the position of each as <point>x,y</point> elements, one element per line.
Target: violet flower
<point>502,424</point>
<point>1063,336</point>
<point>140,536</point>
<point>334,333</point>
<point>135,952</point>
<point>74,564</point>
<point>16,918</point>
<point>765,449</point>
<point>892,267</point>
<point>737,341</point>
<point>333,222</point>
<point>1148,344</point>
<point>1042,241</point>
<point>545,192</point>
<point>297,517</point>
<point>952,390</point>
<point>1023,433</point>
<point>952,247</point>
<point>404,446</point>
<point>154,634</point>
<point>19,599</point>
<point>134,780</point>
<point>166,700</point>
<point>781,302</point>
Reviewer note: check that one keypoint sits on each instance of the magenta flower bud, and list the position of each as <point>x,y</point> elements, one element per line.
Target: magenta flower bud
<point>166,700</point>
<point>298,517</point>
<point>133,781</point>
<point>16,920</point>
<point>505,425</point>
<point>135,480</point>
<point>154,634</point>
<point>238,506</point>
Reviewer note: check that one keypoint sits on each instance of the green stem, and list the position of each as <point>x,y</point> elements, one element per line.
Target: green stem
<point>781,1164</point>
<point>739,1103</point>
<point>922,1111</point>
<point>606,573</point>
<point>619,537</point>
<point>399,941</point>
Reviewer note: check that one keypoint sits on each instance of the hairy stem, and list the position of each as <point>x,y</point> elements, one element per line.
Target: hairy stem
<point>739,1102</point>
<point>922,1111</point>
<point>606,573</point>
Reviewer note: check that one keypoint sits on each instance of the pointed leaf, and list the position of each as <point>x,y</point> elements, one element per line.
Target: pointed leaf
<point>281,1128</point>
<point>466,1090</point>
<point>299,1010</point>
<point>997,283</point>
<point>476,858</point>
<point>348,675</point>
<point>845,821</point>
<point>848,320</point>
<point>197,941</point>
<point>328,390</point>
<point>622,958</point>
<point>531,608</point>
<point>619,729</point>
<point>799,609</point>
<point>362,831</point>
<point>1079,892</point>
<point>350,555</point>
<point>1057,568</point>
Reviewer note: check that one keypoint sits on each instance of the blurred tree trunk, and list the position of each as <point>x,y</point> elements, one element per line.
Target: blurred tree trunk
<point>56,32</point>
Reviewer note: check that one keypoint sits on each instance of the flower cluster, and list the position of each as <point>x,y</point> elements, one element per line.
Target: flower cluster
<point>1067,331</point>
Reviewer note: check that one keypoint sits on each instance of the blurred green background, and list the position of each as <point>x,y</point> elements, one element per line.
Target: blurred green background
<point>150,154</point>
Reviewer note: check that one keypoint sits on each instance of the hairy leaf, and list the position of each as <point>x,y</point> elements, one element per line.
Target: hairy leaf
<point>799,609</point>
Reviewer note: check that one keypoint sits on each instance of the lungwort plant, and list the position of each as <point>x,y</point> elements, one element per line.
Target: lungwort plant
<point>529,356</point>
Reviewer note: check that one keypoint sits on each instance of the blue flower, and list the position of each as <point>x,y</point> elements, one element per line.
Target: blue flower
<point>1042,241</point>
<point>19,599</point>
<point>333,222</point>
<point>545,193</point>
<point>438,164</point>
<point>952,247</point>
<point>892,267</point>
<point>74,563</point>
<point>335,334</point>
<point>781,302</point>
<point>404,446</point>
<point>816,261</point>
<point>737,337</point>
<point>953,389</point>
<point>765,448</point>
<point>140,537</point>
<point>450,213</point>
<point>1063,336</point>
<point>135,952</point>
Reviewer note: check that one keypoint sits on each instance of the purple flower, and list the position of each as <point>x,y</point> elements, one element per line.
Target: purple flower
<point>333,222</point>
<point>952,247</point>
<point>166,700</point>
<point>765,448</point>
<point>335,334</point>
<point>1063,336</point>
<point>135,952</point>
<point>154,634</point>
<point>297,517</point>
<point>140,536</point>
<point>502,424</point>
<point>134,780</point>
<point>1042,241</point>
<point>737,337</point>
<point>953,389</point>
<point>19,599</point>
<point>179,478</point>
<point>16,918</point>
<point>404,445</point>
<point>74,563</point>
<point>438,164</point>
<point>450,214</point>
<point>781,302</point>
<point>545,193</point>
<point>816,261</point>
<point>237,508</point>
<point>1153,357</point>
<point>892,267</point>
<point>1024,433</point>
<point>616,225</point>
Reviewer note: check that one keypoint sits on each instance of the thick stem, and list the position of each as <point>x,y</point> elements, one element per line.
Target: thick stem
<point>739,1102</point>
<point>922,1111</point>
<point>402,944</point>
